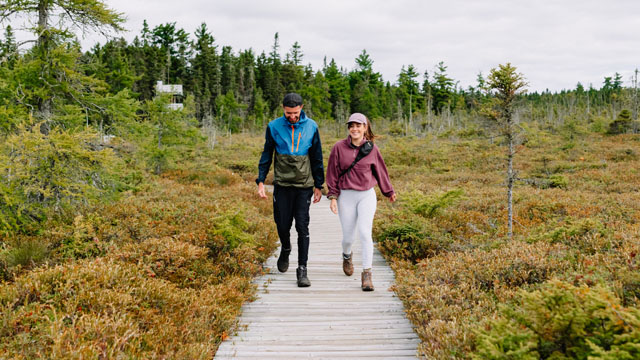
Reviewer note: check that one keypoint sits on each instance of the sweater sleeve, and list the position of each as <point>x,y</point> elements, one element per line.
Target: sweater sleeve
<point>315,155</point>
<point>382,175</point>
<point>266,158</point>
<point>332,172</point>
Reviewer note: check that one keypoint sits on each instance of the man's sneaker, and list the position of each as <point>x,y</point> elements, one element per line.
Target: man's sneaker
<point>283,260</point>
<point>301,274</point>
<point>367,284</point>
<point>347,264</point>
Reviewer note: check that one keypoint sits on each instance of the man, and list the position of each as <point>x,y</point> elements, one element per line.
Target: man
<point>298,176</point>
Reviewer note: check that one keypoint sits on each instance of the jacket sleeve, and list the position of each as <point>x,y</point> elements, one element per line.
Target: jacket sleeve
<point>315,155</point>
<point>332,172</point>
<point>381,174</point>
<point>266,158</point>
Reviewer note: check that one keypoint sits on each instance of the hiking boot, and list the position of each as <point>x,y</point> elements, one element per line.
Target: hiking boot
<point>367,284</point>
<point>301,274</point>
<point>347,264</point>
<point>283,260</point>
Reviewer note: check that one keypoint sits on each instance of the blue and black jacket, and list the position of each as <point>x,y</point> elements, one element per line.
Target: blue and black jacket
<point>298,153</point>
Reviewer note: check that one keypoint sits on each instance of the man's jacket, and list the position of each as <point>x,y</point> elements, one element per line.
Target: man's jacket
<point>298,153</point>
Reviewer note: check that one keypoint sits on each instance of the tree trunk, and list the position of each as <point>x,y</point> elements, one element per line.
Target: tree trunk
<point>45,106</point>
<point>510,180</point>
<point>43,24</point>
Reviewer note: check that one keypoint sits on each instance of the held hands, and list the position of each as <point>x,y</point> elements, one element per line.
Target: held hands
<point>334,206</point>
<point>261,192</point>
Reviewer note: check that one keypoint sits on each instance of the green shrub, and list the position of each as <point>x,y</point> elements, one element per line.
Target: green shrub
<point>621,124</point>
<point>26,253</point>
<point>561,321</point>
<point>558,181</point>
<point>45,174</point>
<point>588,235</point>
<point>411,238</point>
<point>229,232</point>
<point>430,206</point>
<point>83,242</point>
<point>598,125</point>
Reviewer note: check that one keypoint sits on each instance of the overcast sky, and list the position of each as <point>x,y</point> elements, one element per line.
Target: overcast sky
<point>554,43</point>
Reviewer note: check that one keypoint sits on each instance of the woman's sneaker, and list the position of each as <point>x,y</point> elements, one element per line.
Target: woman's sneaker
<point>347,264</point>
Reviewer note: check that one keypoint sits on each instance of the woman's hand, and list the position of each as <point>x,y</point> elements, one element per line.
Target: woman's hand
<point>393,197</point>
<point>334,206</point>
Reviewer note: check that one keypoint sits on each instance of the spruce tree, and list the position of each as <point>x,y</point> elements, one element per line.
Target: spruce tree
<point>506,84</point>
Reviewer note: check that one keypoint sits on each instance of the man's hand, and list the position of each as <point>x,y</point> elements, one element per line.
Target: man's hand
<point>393,197</point>
<point>334,206</point>
<point>261,192</point>
<point>317,195</point>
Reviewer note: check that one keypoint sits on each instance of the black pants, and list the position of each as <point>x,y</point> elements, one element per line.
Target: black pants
<point>290,203</point>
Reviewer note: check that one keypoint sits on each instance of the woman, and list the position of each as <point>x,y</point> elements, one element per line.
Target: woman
<point>353,198</point>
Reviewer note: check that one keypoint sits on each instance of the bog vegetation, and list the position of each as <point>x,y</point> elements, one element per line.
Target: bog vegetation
<point>131,230</point>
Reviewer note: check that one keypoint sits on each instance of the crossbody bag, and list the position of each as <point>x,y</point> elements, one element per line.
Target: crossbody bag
<point>363,151</point>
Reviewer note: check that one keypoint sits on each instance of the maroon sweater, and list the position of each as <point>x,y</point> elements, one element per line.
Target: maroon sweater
<point>363,176</point>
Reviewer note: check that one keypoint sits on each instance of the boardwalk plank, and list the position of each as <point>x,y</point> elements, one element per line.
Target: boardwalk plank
<point>332,319</point>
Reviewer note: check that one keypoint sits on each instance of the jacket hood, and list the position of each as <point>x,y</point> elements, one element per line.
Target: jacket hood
<point>303,119</point>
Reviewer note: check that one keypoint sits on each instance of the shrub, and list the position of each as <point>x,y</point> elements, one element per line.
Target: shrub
<point>561,321</point>
<point>25,253</point>
<point>83,241</point>
<point>47,174</point>
<point>431,206</point>
<point>411,239</point>
<point>589,235</point>
<point>621,124</point>
<point>558,181</point>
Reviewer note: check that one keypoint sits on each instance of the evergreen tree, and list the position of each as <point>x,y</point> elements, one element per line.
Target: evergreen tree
<point>111,64</point>
<point>51,58</point>
<point>407,91</point>
<point>339,91</point>
<point>442,89</point>
<point>296,54</point>
<point>148,65</point>
<point>8,48</point>
<point>246,82</point>
<point>274,89</point>
<point>365,84</point>
<point>506,84</point>
<point>293,74</point>
<point>227,70</point>
<point>206,71</point>
<point>176,46</point>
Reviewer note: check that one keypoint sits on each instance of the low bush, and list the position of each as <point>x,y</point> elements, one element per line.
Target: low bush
<point>561,321</point>
<point>410,237</point>
<point>138,278</point>
<point>588,235</point>
<point>558,181</point>
<point>447,295</point>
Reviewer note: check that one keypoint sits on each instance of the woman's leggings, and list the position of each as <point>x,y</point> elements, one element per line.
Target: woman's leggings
<point>356,210</point>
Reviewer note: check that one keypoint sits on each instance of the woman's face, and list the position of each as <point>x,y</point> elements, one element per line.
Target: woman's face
<point>357,130</point>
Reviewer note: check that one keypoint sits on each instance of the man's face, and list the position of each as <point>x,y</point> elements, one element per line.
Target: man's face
<point>292,113</point>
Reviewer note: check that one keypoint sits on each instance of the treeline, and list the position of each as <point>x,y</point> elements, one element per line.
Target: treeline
<point>242,90</point>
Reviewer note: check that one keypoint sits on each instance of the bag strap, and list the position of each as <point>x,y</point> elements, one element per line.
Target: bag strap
<point>363,151</point>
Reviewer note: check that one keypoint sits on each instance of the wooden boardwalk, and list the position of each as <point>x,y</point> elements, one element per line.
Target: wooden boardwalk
<point>332,319</point>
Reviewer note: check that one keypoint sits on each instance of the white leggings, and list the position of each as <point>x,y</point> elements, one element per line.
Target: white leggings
<point>356,210</point>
